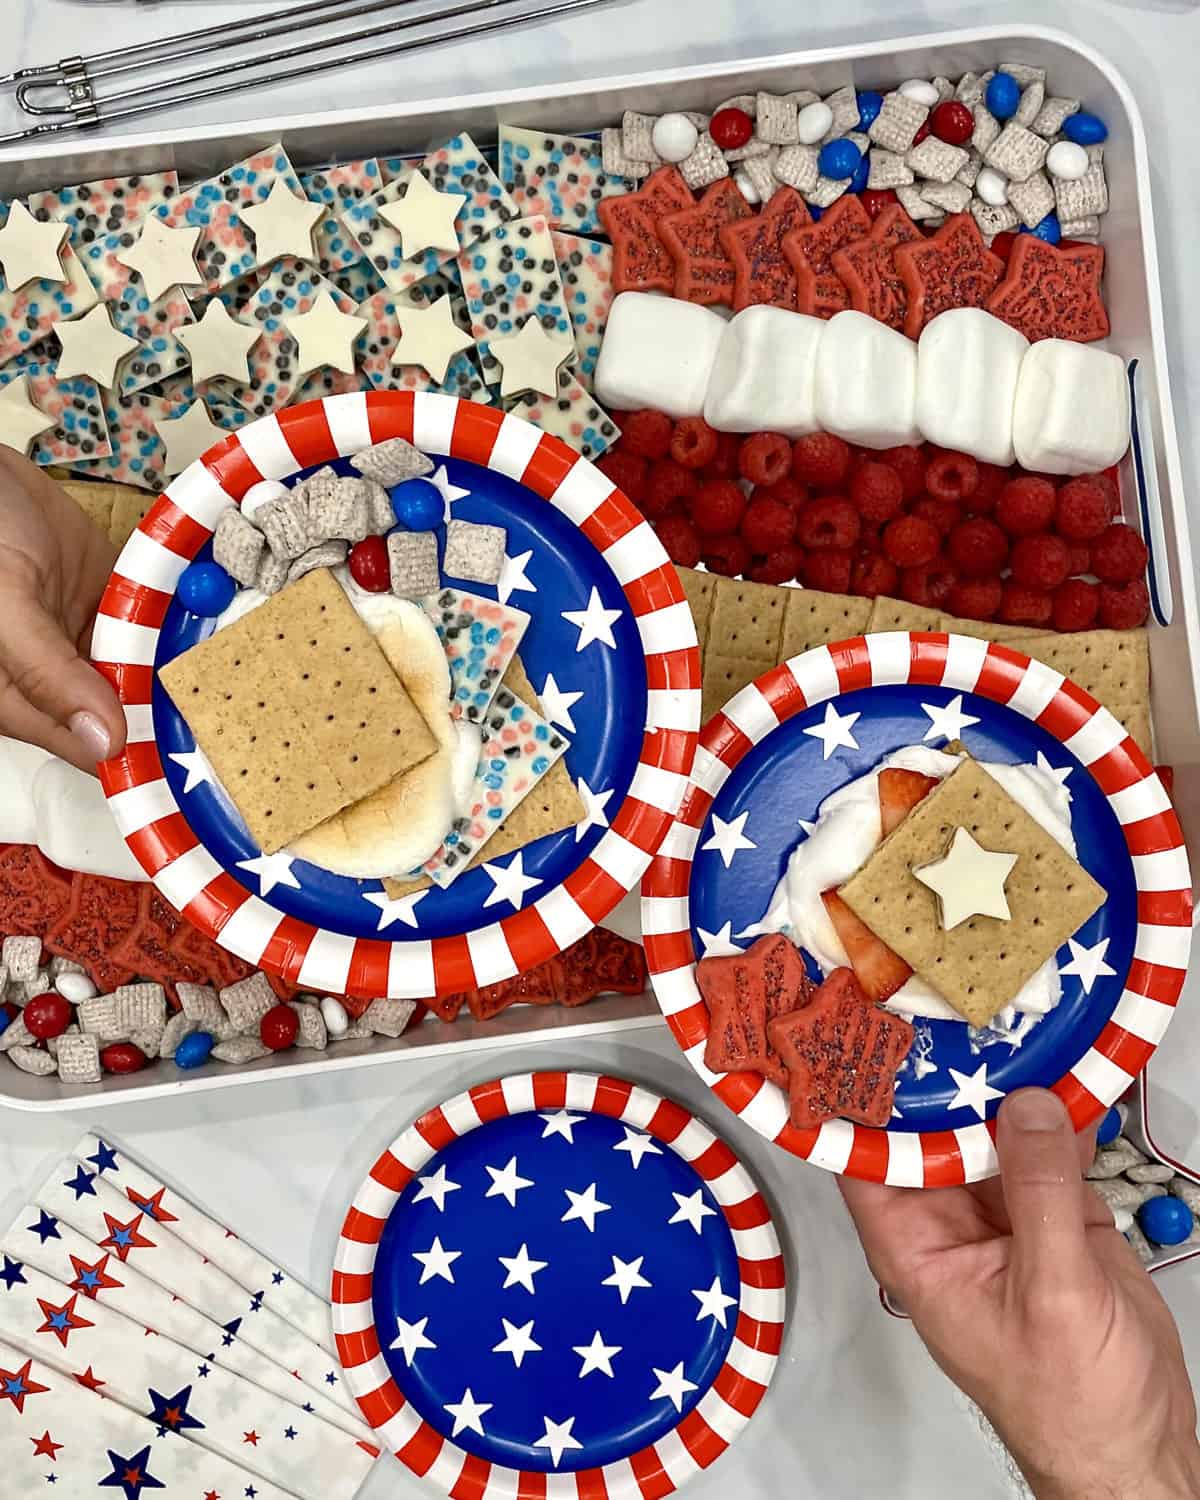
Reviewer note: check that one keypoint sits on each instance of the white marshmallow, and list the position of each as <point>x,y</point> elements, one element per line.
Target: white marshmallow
<point>992,187</point>
<point>967,368</point>
<point>866,382</point>
<point>657,352</point>
<point>74,826</point>
<point>762,379</point>
<point>19,764</point>
<point>814,122</point>
<point>1071,412</point>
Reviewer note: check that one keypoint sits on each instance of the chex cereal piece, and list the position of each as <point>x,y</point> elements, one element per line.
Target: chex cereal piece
<point>936,159</point>
<point>178,1027</point>
<point>1050,117</point>
<point>78,1059</point>
<point>844,104</point>
<point>21,957</point>
<point>585,267</point>
<point>272,573</point>
<point>561,177</point>
<point>140,1007</point>
<point>199,1002</point>
<point>1033,199</point>
<point>899,614</point>
<point>1016,152</point>
<point>776,119</point>
<point>813,618</point>
<point>987,128</point>
<point>897,122</point>
<point>613,158</point>
<point>306,705</point>
<point>953,269</point>
<point>743,994</point>
<point>392,462</point>
<point>238,546</point>
<point>951,197</point>
<point>474,553</point>
<point>59,965</point>
<point>969,89</point>
<point>388,1017</point>
<point>480,637</point>
<point>867,268</point>
<point>641,262</point>
<point>572,415</point>
<point>1080,229</point>
<point>22,991</point>
<point>916,205</point>
<point>762,270</point>
<point>16,1034</point>
<point>703,270</point>
<point>797,167</point>
<point>993,218</point>
<point>1030,106</point>
<point>827,191</point>
<point>312,1032</point>
<point>754,148</point>
<point>761,174</point>
<point>240,1049</point>
<point>248,1001</point>
<point>355,1032</point>
<point>1024,73</point>
<point>1083,197</point>
<point>1052,293</point>
<point>637,130</point>
<point>33,1060</point>
<point>284,523</point>
<point>99,1017</point>
<point>944,88</point>
<point>809,250</point>
<point>705,165</point>
<point>325,555</point>
<point>968,173</point>
<point>888,170</point>
<point>413,561</point>
<point>148,1041</point>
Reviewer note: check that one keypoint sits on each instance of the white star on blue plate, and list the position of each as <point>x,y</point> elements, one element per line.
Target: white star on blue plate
<point>410,1338</point>
<point>435,1186</point>
<point>195,763</point>
<point>520,1269</point>
<point>436,1261</point>
<point>596,1356</point>
<point>466,1413</point>
<point>834,731</point>
<point>713,1302</point>
<point>728,838</point>
<point>672,1385</point>
<point>947,720</point>
<point>718,944</point>
<point>626,1275</point>
<point>510,882</point>
<point>507,1182</point>
<point>1059,773</point>
<point>400,910</point>
<point>638,1145</point>
<point>450,492</point>
<point>561,1122</point>
<point>691,1209</point>
<point>1088,963</point>
<point>517,1341</point>
<point>594,623</point>
<point>974,1091</point>
<point>272,870</point>
<point>557,704</point>
<point>557,1437</point>
<point>512,578</point>
<point>594,804</point>
<point>585,1206</point>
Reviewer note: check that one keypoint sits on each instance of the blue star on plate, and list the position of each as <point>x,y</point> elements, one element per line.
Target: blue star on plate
<point>131,1475</point>
<point>82,1183</point>
<point>171,1412</point>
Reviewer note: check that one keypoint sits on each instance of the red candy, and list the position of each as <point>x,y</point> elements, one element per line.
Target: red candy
<point>952,121</point>
<point>1026,506</point>
<point>1076,605</point>
<point>1118,554</point>
<point>647,433</point>
<point>122,1057</point>
<point>875,200</point>
<point>828,521</point>
<point>731,128</point>
<point>678,536</point>
<point>278,1028</point>
<point>667,484</point>
<point>718,507</point>
<point>821,460</point>
<point>952,476</point>
<point>979,547</point>
<point>1084,508</point>
<point>369,565</point>
<point>47,1015</point>
<point>765,458</point>
<point>1041,562</point>
<point>1123,606</point>
<point>911,541</point>
<point>693,443</point>
<point>878,492</point>
<point>727,555</point>
<point>767,525</point>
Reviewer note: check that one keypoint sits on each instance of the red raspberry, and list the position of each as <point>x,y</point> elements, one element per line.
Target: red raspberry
<point>767,525</point>
<point>724,465</point>
<point>828,521</point>
<point>1118,554</point>
<point>667,484</point>
<point>1123,606</point>
<point>1081,558</point>
<point>727,555</point>
<point>678,536</point>
<point>765,457</point>
<point>828,570</point>
<point>952,121</point>
<point>992,480</point>
<point>790,491</point>
<point>646,433</point>
<point>693,443</point>
<point>781,566</point>
<point>944,514</point>
<point>875,200</point>
<point>1040,562</point>
<point>717,507</point>
<point>1084,507</point>
<point>951,476</point>
<point>909,462</point>
<point>1003,243</point>
<point>820,459</point>
<point>878,492</point>
<point>1025,606</point>
<point>975,598</point>
<point>911,541</point>
<point>1075,605</point>
<point>929,586</point>
<point>627,471</point>
<point>1026,506</point>
<point>874,575</point>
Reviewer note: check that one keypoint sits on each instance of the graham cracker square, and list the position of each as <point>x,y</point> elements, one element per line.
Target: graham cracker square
<point>129,509</point>
<point>813,618</point>
<point>747,619</point>
<point>94,500</point>
<point>1112,665</point>
<point>298,711</point>
<point>989,630</point>
<point>726,675</point>
<point>898,614</point>
<point>981,964</point>
<point>700,589</point>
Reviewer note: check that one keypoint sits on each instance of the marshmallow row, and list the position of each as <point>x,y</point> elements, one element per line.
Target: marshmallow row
<point>971,383</point>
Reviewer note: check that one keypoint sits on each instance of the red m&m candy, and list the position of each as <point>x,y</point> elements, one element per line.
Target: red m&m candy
<point>731,128</point>
<point>122,1057</point>
<point>278,1028</point>
<point>47,1015</point>
<point>953,122</point>
<point>369,565</point>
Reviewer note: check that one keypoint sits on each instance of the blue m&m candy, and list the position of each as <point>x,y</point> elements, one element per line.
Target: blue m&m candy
<point>1049,229</point>
<point>205,588</point>
<point>194,1050</point>
<point>1003,95</point>
<point>839,159</point>
<point>418,504</point>
<point>1110,1128</point>
<point>1085,129</point>
<point>861,177</point>
<point>1166,1221</point>
<point>869,105</point>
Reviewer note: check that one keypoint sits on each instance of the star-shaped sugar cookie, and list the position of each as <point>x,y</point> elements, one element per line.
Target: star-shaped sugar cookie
<point>424,218</point>
<point>1052,291</point>
<point>953,269</point>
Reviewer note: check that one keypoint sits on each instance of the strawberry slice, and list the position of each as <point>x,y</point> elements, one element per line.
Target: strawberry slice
<point>899,793</point>
<point>878,970</point>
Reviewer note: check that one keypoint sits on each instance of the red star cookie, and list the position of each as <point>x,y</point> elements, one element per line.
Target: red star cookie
<point>744,994</point>
<point>819,289</point>
<point>641,262</point>
<point>98,915</point>
<point>602,963</point>
<point>703,269</point>
<point>146,949</point>
<point>841,1054</point>
<point>33,892</point>
<point>755,245</point>
<point>953,269</point>
<point>867,268</point>
<point>221,968</point>
<point>1052,292</point>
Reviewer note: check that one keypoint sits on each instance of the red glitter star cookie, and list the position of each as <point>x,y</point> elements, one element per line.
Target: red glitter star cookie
<point>99,914</point>
<point>33,892</point>
<point>221,967</point>
<point>146,948</point>
<point>1052,292</point>
<point>602,963</point>
<point>755,245</point>
<point>819,290</point>
<point>703,269</point>
<point>953,269</point>
<point>744,994</point>
<point>841,1054</point>
<point>867,268</point>
<point>641,262</point>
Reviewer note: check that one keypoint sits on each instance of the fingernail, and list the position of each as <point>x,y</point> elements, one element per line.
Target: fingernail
<point>91,734</point>
<point>1034,1110</point>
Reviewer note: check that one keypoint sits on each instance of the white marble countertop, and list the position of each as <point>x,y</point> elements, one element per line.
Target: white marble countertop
<point>857,1408</point>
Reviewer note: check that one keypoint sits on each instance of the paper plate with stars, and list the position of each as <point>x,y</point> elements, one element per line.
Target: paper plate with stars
<point>558,1284</point>
<point>822,720</point>
<point>610,651</point>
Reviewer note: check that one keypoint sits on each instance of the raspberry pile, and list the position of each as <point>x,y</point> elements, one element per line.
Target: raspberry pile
<point>919,523</point>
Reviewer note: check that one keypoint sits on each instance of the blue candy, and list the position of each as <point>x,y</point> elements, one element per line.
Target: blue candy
<point>205,588</point>
<point>839,159</point>
<point>1085,129</point>
<point>194,1050</point>
<point>1049,229</point>
<point>858,182</point>
<point>418,505</point>
<point>1166,1221</point>
<point>1002,96</point>
<point>1110,1128</point>
<point>869,105</point>
<point>5,1020</point>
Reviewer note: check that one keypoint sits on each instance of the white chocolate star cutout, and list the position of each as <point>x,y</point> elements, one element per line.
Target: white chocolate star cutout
<point>21,420</point>
<point>31,250</point>
<point>424,218</point>
<point>283,224</point>
<point>164,257</point>
<point>968,881</point>
<point>187,437</point>
<point>530,359</point>
<point>325,336</point>
<point>430,337</point>
<point>218,344</point>
<point>91,346</point>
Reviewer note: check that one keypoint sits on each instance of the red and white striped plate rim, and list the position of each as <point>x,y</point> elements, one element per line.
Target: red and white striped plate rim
<point>1085,728</point>
<point>125,641</point>
<point>699,1437</point>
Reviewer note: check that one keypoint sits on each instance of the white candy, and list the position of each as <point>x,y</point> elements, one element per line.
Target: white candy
<point>1071,412</point>
<point>1068,160</point>
<point>674,137</point>
<point>741,181</point>
<point>814,123</point>
<point>920,91</point>
<point>1122,1220</point>
<point>657,352</point>
<point>762,379</point>
<point>75,987</point>
<point>262,494</point>
<point>992,187</point>
<point>866,382</point>
<point>967,368</point>
<point>75,828</point>
<point>19,764</point>
<point>335,1016</point>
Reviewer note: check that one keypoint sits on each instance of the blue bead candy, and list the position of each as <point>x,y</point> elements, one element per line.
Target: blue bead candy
<point>1110,1128</point>
<point>839,159</point>
<point>814,213</point>
<point>5,1020</point>
<point>1166,1221</point>
<point>1002,96</point>
<point>205,588</point>
<point>1049,229</point>
<point>418,505</point>
<point>194,1050</point>
<point>858,182</point>
<point>1085,129</point>
<point>869,105</point>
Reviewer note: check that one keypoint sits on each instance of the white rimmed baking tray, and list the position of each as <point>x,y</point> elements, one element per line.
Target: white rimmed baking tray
<point>1151,481</point>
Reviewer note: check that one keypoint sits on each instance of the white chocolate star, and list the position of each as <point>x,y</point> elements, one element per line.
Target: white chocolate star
<point>968,881</point>
<point>164,257</point>
<point>91,346</point>
<point>530,358</point>
<point>31,250</point>
<point>430,337</point>
<point>21,419</point>
<point>283,224</point>
<point>424,218</point>
<point>187,437</point>
<point>218,344</point>
<point>326,336</point>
